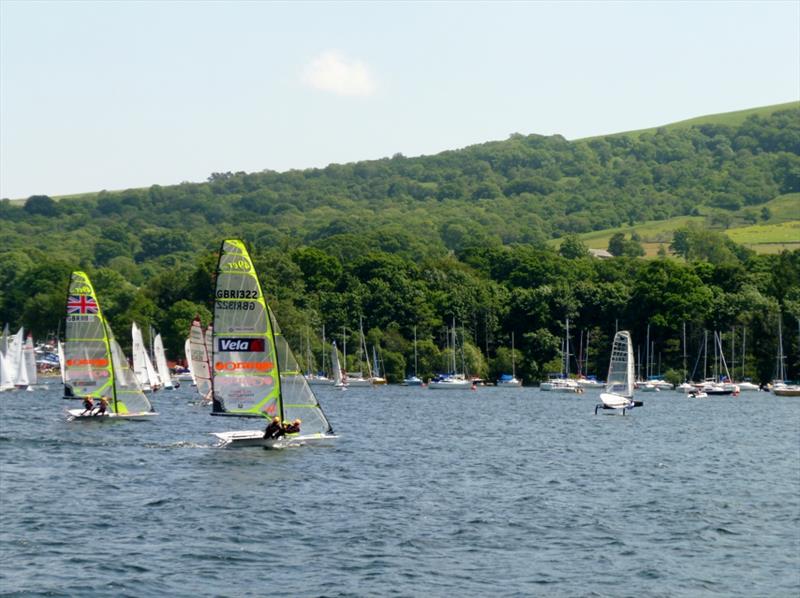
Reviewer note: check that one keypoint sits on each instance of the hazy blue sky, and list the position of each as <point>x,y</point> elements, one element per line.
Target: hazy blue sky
<point>111,95</point>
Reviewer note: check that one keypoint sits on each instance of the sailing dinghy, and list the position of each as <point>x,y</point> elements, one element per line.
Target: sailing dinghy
<point>619,384</point>
<point>255,373</point>
<point>199,360</point>
<point>94,364</point>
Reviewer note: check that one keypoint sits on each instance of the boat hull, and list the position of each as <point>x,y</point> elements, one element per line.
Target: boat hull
<point>450,385</point>
<point>248,438</point>
<point>79,414</point>
<point>612,401</point>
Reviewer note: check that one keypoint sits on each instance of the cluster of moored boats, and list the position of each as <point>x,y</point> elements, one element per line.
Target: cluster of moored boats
<point>242,366</point>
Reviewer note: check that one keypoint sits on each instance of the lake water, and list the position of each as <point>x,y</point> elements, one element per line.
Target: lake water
<point>508,492</point>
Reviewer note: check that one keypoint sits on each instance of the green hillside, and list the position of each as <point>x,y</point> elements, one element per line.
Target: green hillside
<point>728,119</point>
<point>489,234</point>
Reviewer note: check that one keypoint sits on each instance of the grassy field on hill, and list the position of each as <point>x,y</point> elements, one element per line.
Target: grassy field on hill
<point>731,119</point>
<point>781,231</point>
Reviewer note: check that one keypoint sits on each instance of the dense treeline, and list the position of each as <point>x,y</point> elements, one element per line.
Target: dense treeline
<point>414,242</point>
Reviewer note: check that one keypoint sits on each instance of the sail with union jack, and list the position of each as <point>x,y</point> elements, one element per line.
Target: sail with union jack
<point>81,304</point>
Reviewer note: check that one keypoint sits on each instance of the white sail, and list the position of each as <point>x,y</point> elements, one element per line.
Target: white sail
<point>187,353</point>
<point>620,381</point>
<point>142,366</point>
<point>4,341</point>
<point>161,362</point>
<point>199,362</point>
<point>6,379</point>
<point>29,361</point>
<point>337,369</point>
<point>620,369</point>
<point>14,358</point>
<point>60,349</point>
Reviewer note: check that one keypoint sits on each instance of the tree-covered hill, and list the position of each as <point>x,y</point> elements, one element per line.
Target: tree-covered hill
<point>408,242</point>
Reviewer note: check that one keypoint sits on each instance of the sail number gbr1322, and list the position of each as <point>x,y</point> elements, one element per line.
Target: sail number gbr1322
<point>237,294</point>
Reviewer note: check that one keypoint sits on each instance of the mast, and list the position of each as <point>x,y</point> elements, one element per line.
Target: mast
<point>463,361</point>
<point>566,352</point>
<point>415,351</point>
<point>781,367</point>
<point>344,348</point>
<point>744,339</point>
<point>324,345</point>
<point>454,345</point>
<point>513,366</point>
<point>647,370</point>
<point>705,354</point>
<point>684,351</point>
<point>586,356</point>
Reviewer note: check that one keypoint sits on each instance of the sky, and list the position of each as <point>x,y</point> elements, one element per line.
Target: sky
<point>115,95</point>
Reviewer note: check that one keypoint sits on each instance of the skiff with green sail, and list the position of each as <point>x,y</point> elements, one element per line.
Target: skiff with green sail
<point>94,364</point>
<point>254,372</point>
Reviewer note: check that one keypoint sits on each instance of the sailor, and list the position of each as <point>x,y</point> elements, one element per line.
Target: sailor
<point>274,429</point>
<point>292,428</point>
<point>88,405</point>
<point>103,407</point>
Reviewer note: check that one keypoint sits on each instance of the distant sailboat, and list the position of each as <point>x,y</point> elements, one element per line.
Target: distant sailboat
<point>414,380</point>
<point>94,364</point>
<point>200,362</point>
<point>161,363</point>
<point>142,365</point>
<point>619,384</point>
<point>452,380</point>
<point>338,380</point>
<point>506,380</point>
<point>254,372</point>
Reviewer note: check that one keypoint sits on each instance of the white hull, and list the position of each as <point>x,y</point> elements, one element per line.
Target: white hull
<point>786,391</point>
<point>245,438</point>
<point>450,384</point>
<point>590,384</point>
<point>648,388</point>
<point>612,401</point>
<point>748,386</point>
<point>561,385</point>
<point>413,381</point>
<point>79,414</point>
<point>513,383</point>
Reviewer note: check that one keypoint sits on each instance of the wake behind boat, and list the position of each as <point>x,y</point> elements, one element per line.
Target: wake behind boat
<point>94,364</point>
<point>255,373</point>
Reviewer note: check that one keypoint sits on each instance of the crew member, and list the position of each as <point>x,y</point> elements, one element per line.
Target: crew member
<point>88,405</point>
<point>274,429</point>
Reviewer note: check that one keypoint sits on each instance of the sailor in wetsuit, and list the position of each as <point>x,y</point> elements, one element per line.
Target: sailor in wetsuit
<point>88,405</point>
<point>292,428</point>
<point>274,429</point>
<point>103,407</point>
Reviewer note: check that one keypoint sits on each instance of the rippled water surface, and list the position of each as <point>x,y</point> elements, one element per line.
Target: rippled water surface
<point>508,492</point>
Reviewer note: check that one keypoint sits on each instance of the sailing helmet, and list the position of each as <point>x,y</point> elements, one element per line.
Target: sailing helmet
<point>276,419</point>
<point>297,421</point>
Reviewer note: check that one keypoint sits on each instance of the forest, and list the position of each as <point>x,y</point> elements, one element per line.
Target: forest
<point>408,244</point>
